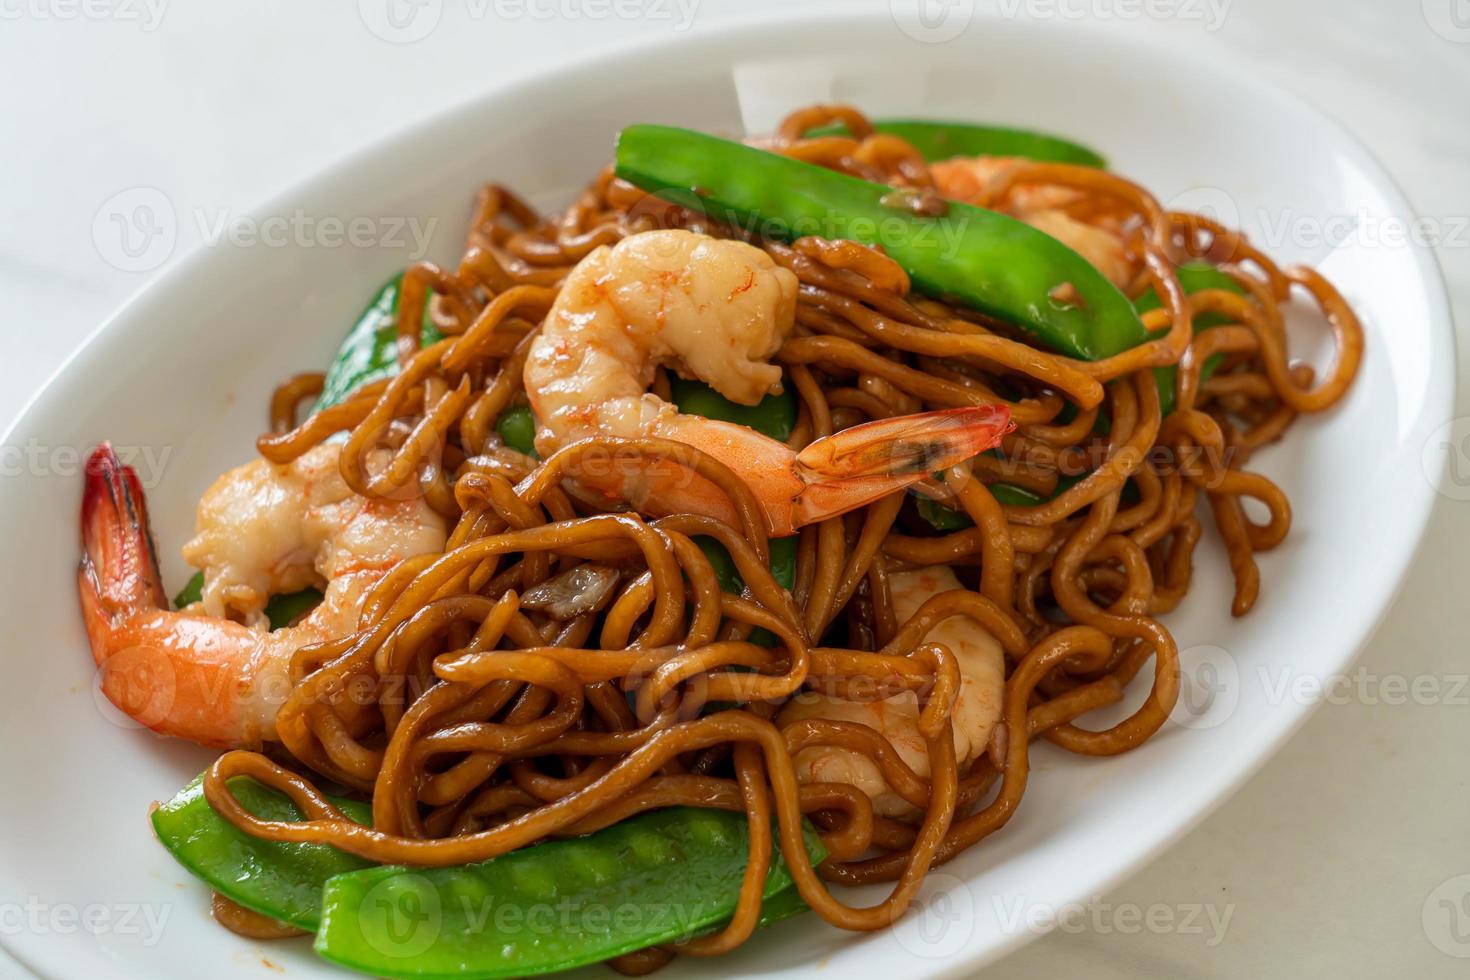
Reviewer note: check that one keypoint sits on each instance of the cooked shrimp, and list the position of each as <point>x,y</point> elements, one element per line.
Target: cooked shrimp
<point>1044,208</point>
<point>977,707</point>
<point>716,310</point>
<point>210,679</point>
<point>264,529</point>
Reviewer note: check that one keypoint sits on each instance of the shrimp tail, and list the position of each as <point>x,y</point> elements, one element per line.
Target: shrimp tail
<point>119,569</point>
<point>855,466</point>
<point>204,678</point>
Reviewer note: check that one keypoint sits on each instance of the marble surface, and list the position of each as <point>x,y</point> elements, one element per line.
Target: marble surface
<point>1342,855</point>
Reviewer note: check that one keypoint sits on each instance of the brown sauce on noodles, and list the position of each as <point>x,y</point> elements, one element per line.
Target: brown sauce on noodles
<point>478,725</point>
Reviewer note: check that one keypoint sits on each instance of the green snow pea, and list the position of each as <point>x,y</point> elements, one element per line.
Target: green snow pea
<point>280,881</point>
<point>517,426</point>
<point>783,563</point>
<point>940,140</point>
<point>369,352</point>
<point>773,415</point>
<point>655,878</point>
<point>1194,277</point>
<point>986,260</point>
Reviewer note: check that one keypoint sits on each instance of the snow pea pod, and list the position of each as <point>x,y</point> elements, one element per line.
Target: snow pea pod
<point>939,140</point>
<point>517,426</point>
<point>280,881</point>
<point>369,352</point>
<point>773,415</point>
<point>783,563</point>
<point>655,878</point>
<point>983,259</point>
<point>1194,277</point>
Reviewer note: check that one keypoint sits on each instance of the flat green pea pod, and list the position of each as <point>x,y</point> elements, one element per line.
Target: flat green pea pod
<point>1193,277</point>
<point>783,563</point>
<point>940,140</point>
<point>369,352</point>
<point>280,881</point>
<point>983,259</point>
<point>655,878</point>
<point>517,426</point>
<point>773,415</point>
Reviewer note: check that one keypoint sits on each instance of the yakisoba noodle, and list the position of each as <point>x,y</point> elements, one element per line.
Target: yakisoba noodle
<point>480,724</point>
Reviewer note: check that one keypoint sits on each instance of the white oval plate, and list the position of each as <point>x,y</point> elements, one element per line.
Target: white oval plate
<point>179,378</point>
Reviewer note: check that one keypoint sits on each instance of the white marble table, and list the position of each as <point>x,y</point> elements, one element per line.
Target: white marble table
<point>1326,861</point>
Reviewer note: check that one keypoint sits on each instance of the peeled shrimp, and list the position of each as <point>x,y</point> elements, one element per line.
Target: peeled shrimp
<point>262,528</point>
<point>976,710</point>
<point>1044,208</point>
<point>716,310</point>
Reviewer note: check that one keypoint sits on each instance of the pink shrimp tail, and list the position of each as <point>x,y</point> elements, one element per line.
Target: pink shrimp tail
<point>167,671</point>
<point>119,570</point>
<point>858,465</point>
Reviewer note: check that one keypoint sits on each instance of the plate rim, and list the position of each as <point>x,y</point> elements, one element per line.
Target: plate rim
<point>1439,401</point>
